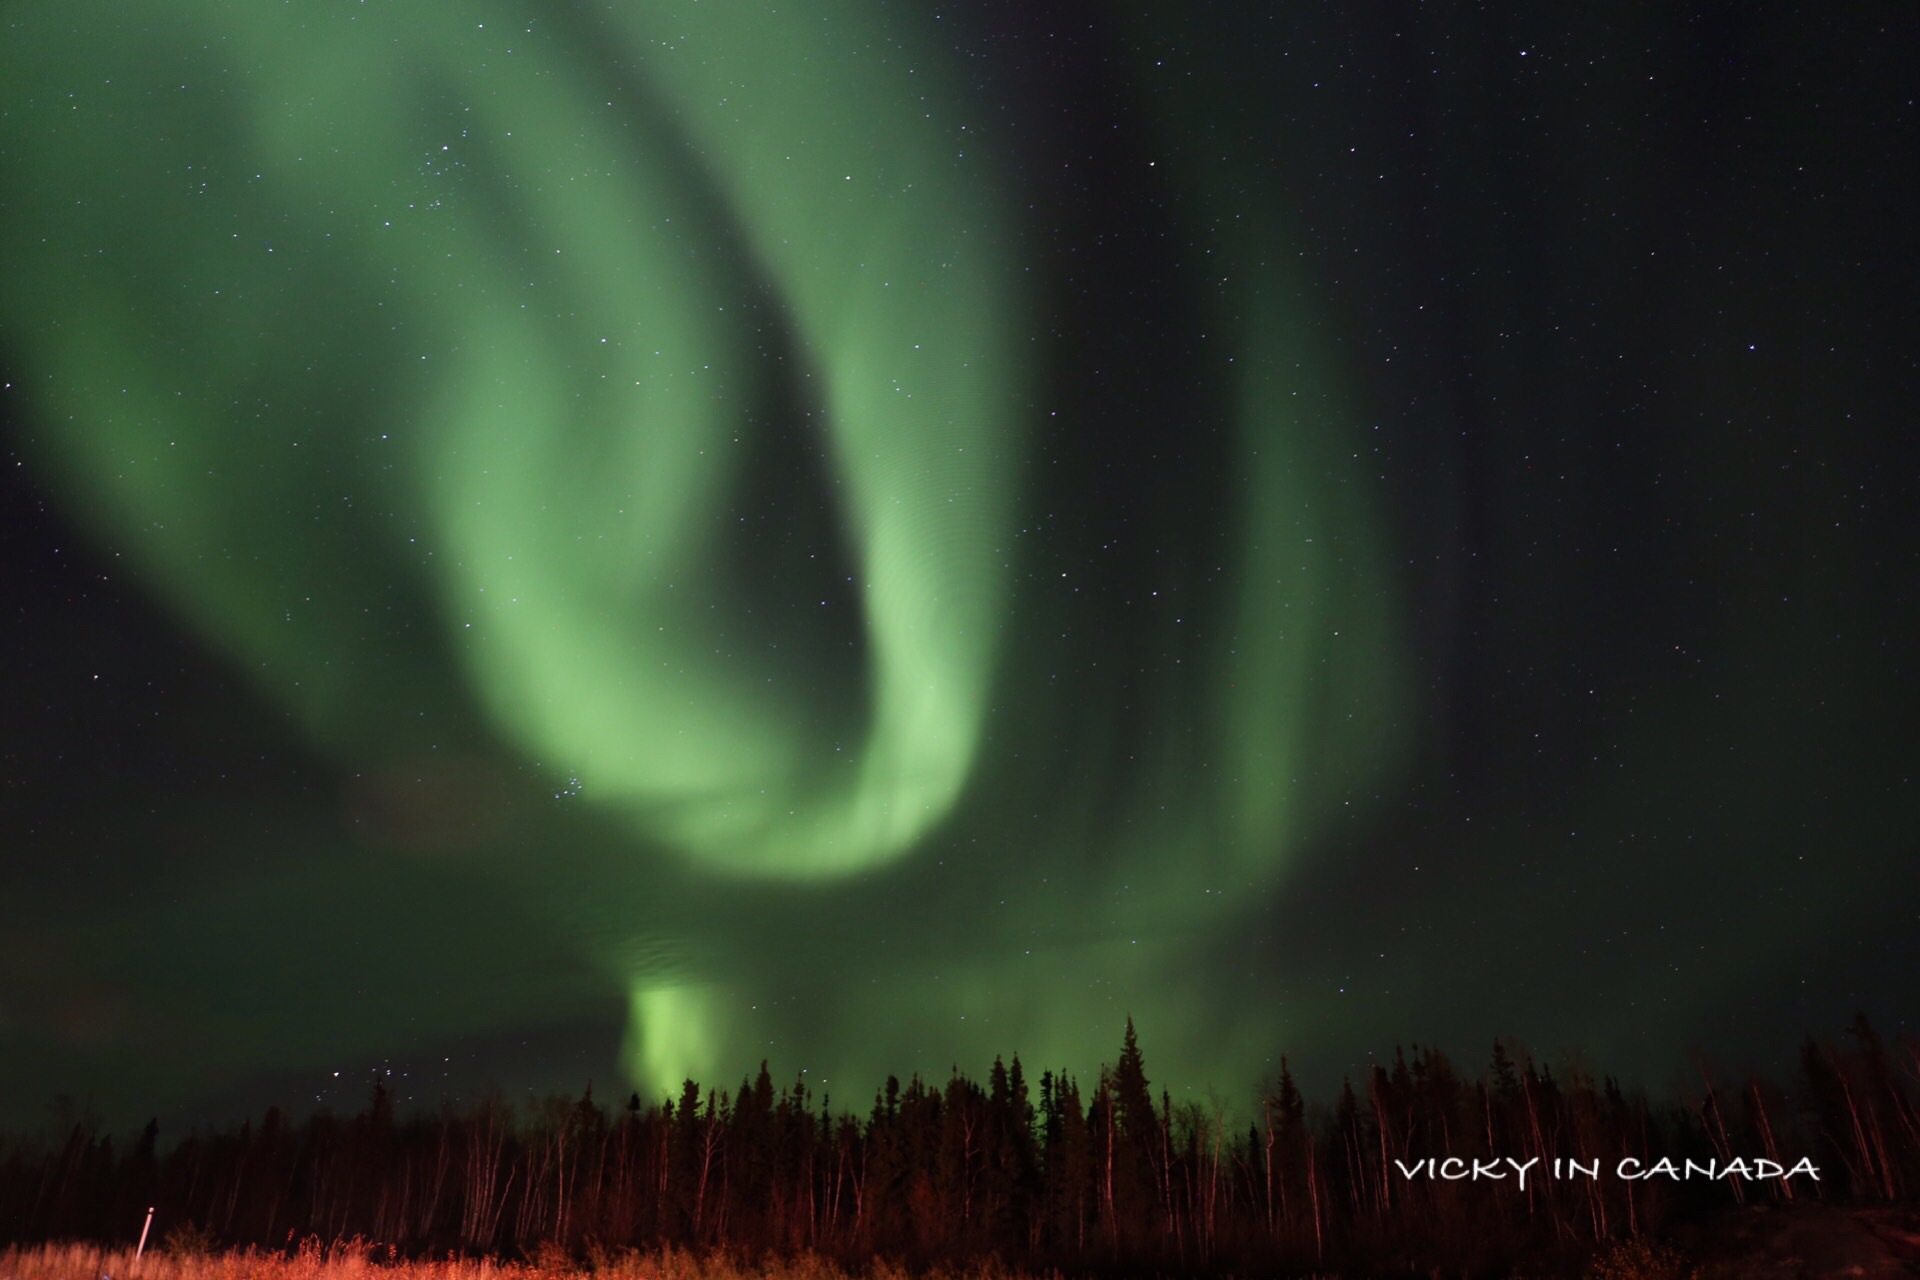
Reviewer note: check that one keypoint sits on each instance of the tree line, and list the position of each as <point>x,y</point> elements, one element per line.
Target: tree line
<point>1046,1173</point>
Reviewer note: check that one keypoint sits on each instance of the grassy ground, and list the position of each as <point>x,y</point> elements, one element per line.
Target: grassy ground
<point>354,1260</point>
<point>357,1260</point>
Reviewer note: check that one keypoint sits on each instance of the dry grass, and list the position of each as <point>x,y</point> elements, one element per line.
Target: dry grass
<point>359,1260</point>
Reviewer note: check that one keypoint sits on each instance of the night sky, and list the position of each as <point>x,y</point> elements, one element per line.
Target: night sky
<point>564,541</point>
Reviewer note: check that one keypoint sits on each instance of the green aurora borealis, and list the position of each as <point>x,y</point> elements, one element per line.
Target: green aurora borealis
<point>697,553</point>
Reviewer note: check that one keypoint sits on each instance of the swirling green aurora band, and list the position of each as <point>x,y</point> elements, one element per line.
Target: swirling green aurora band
<point>325,303</point>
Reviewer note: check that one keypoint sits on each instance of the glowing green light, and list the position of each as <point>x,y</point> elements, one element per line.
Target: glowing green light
<point>672,1036</point>
<point>421,367</point>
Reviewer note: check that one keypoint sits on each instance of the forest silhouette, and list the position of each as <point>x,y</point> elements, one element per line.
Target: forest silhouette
<point>1100,1175</point>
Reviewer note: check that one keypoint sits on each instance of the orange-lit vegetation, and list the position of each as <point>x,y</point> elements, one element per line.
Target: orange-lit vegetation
<point>970,1177</point>
<point>352,1259</point>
